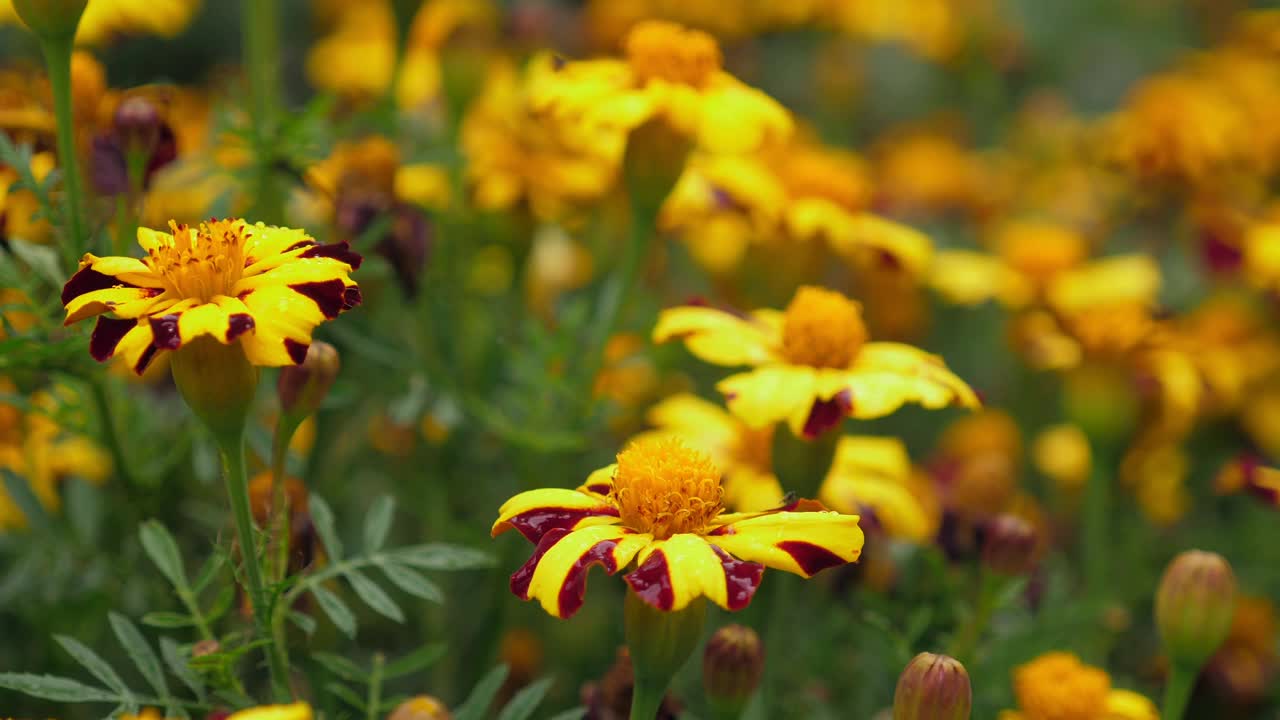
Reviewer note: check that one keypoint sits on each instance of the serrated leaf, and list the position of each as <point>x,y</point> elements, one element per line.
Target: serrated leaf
<point>322,518</point>
<point>336,610</point>
<point>163,551</point>
<point>481,697</point>
<point>94,663</point>
<point>413,582</point>
<point>420,659</point>
<point>168,620</point>
<point>377,522</point>
<point>526,701</point>
<point>571,714</point>
<point>305,623</point>
<point>347,694</point>
<point>57,689</point>
<point>19,491</point>
<point>140,652</point>
<point>442,556</point>
<point>177,663</point>
<point>341,667</point>
<point>374,596</point>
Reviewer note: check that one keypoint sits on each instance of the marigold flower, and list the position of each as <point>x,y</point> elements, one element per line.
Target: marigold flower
<point>263,287</point>
<point>873,476</point>
<point>295,711</point>
<point>1057,686</point>
<point>661,505</point>
<point>813,364</point>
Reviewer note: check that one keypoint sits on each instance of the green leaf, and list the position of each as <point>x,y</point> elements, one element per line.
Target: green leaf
<point>94,664</point>
<point>374,596</point>
<point>42,259</point>
<point>163,551</point>
<point>442,556</point>
<point>210,569</point>
<point>167,620</point>
<point>140,652</point>
<point>347,694</point>
<point>305,623</point>
<point>337,610</point>
<point>28,504</point>
<point>420,659</point>
<point>221,603</point>
<point>481,697</point>
<point>341,667</point>
<point>413,582</point>
<point>84,509</point>
<point>571,714</point>
<point>178,665</point>
<point>377,523</point>
<point>322,517</point>
<point>57,689</point>
<point>526,701</point>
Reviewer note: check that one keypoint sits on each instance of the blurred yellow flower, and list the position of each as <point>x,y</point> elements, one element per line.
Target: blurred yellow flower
<point>1057,686</point>
<point>104,20</point>
<point>872,477</point>
<point>813,364</point>
<point>1062,453</point>
<point>296,711</point>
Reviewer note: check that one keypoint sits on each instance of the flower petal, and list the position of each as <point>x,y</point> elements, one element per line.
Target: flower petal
<point>600,482</point>
<point>772,394</point>
<point>284,320</point>
<point>874,473</point>
<point>677,571</point>
<point>99,273</point>
<point>799,542</point>
<point>120,300</point>
<point>557,573</point>
<point>968,277</point>
<point>536,512</point>
<point>717,336</point>
<point>886,375</point>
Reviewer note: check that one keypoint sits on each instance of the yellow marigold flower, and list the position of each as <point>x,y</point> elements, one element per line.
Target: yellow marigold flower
<point>18,207</point>
<point>813,364</point>
<point>1057,686</point>
<point>932,28</point>
<point>872,476</point>
<point>295,711</point>
<point>357,59</point>
<point>662,506</point>
<point>1062,453</point>
<point>745,454</point>
<point>927,171</point>
<point>670,73</point>
<point>265,288</point>
<point>1157,472</point>
<point>104,20</point>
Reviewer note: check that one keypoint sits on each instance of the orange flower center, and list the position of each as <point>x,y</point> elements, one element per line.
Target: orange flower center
<point>199,263</point>
<point>663,487</point>
<point>1057,686</point>
<point>659,50</point>
<point>1041,250</point>
<point>822,329</point>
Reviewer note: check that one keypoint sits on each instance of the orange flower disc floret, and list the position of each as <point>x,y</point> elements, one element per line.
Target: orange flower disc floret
<point>200,263</point>
<point>822,329</point>
<point>660,50</point>
<point>663,488</point>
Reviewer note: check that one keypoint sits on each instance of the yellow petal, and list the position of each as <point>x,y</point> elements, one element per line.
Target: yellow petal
<point>967,277</point>
<point>536,512</point>
<point>125,302</point>
<point>803,543</point>
<point>674,572</point>
<point>559,572</point>
<point>283,322</point>
<point>886,375</point>
<point>768,395</point>
<point>874,473</point>
<point>1118,280</point>
<point>716,336</point>
<point>1129,705</point>
<point>747,489</point>
<point>296,711</point>
<point>704,423</point>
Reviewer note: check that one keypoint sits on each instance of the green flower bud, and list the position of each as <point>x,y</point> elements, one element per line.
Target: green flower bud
<point>933,687</point>
<point>302,388</point>
<point>218,383</point>
<point>732,666</point>
<point>51,19</point>
<point>1194,606</point>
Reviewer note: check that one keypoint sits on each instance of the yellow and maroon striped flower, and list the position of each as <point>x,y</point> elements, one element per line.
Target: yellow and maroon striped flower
<point>264,287</point>
<point>661,506</point>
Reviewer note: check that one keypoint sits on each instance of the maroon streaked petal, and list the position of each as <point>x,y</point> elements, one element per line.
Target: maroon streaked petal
<point>145,359</point>
<point>521,578</point>
<point>297,351</point>
<point>827,414</point>
<point>86,281</point>
<point>329,295</point>
<point>299,245</point>
<point>106,335</point>
<point>651,582</point>
<point>811,558</point>
<point>239,324</point>
<point>165,330</point>
<point>534,524</point>
<point>351,297</point>
<point>341,252</point>
<point>741,578</point>
<point>600,488</point>
<point>574,589</point>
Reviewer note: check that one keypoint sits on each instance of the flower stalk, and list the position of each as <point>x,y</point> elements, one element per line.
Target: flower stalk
<point>1177,692</point>
<point>261,38</point>
<point>660,643</point>
<point>57,58</point>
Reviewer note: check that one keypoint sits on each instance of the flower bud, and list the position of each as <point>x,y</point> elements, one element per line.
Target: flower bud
<point>1009,545</point>
<point>137,122</point>
<point>732,666</point>
<point>218,383</point>
<point>421,707</point>
<point>301,388</point>
<point>933,687</point>
<point>51,19</point>
<point>1194,606</point>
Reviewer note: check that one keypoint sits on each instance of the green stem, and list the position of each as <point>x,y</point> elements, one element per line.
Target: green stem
<point>375,687</point>
<point>97,388</point>
<point>197,616</point>
<point>646,698</point>
<point>966,640</point>
<point>238,494</point>
<point>1096,534</point>
<point>261,37</point>
<point>1178,692</point>
<point>57,57</point>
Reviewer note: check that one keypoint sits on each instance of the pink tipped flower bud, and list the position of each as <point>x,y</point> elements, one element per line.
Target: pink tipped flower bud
<point>302,388</point>
<point>732,666</point>
<point>1194,606</point>
<point>933,687</point>
<point>1009,545</point>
